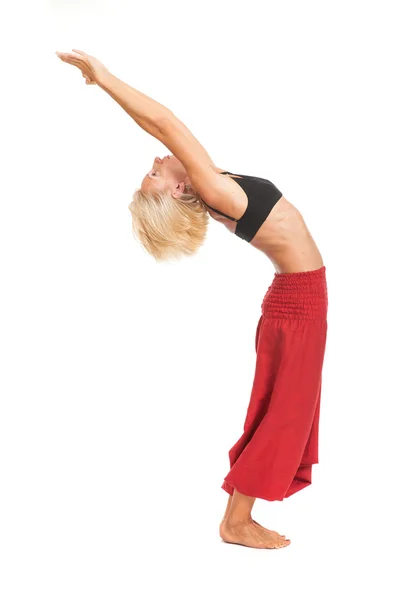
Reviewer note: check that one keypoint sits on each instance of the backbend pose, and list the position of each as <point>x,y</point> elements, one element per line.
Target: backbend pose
<point>274,456</point>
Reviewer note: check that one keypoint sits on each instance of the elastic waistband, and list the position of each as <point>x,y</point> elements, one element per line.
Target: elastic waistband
<point>299,295</point>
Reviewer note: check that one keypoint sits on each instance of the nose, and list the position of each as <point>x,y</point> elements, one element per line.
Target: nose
<point>158,159</point>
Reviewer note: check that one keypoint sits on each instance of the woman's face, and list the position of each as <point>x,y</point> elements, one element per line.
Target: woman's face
<point>166,173</point>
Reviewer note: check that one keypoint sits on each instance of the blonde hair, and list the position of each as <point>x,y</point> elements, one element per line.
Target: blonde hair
<point>169,228</point>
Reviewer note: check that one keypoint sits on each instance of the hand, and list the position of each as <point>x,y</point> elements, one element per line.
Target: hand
<point>91,68</point>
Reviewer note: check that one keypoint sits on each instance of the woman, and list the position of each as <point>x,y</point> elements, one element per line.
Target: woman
<point>274,456</point>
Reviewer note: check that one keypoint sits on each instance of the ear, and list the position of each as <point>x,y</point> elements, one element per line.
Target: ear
<point>179,190</point>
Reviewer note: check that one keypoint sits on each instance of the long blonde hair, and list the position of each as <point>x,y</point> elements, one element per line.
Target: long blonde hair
<point>169,228</point>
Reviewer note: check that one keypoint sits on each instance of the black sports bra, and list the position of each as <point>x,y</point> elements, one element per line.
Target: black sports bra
<point>262,195</point>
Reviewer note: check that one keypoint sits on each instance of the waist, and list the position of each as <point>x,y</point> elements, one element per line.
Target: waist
<point>298,295</point>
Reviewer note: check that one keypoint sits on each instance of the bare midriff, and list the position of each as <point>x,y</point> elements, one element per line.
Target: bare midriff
<point>283,237</point>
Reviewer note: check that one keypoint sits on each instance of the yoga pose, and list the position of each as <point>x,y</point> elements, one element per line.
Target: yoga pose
<point>273,458</point>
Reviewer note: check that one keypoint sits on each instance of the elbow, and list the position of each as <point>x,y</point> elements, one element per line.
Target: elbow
<point>164,121</point>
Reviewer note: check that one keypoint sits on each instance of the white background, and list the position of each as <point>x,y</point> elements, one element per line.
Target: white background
<point>124,382</point>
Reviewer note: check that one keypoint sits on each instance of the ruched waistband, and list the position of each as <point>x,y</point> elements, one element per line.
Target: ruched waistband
<point>299,295</point>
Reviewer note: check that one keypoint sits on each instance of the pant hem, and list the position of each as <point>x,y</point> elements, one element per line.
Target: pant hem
<point>229,488</point>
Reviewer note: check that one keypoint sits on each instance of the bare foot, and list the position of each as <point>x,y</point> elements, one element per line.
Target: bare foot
<point>255,522</point>
<point>271,531</point>
<point>247,533</point>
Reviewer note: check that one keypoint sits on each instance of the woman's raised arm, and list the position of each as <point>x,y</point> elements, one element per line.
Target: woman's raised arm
<point>164,125</point>
<point>160,122</point>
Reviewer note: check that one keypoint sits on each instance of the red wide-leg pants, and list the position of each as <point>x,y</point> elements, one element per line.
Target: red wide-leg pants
<point>274,456</point>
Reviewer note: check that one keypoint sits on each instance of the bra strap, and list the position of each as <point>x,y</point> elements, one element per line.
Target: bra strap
<point>218,211</point>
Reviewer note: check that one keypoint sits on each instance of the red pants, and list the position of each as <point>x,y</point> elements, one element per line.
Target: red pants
<point>274,456</point>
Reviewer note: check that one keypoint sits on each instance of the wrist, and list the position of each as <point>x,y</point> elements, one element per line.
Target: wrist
<point>103,78</point>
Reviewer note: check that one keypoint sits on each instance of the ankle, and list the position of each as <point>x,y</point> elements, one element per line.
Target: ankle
<point>237,520</point>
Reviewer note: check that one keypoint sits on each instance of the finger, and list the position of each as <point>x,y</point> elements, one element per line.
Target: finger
<point>71,58</point>
<point>88,78</point>
<point>77,63</point>
<point>70,53</point>
<point>67,56</point>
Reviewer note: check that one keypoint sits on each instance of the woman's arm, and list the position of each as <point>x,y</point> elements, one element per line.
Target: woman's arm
<point>160,122</point>
<point>148,113</point>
